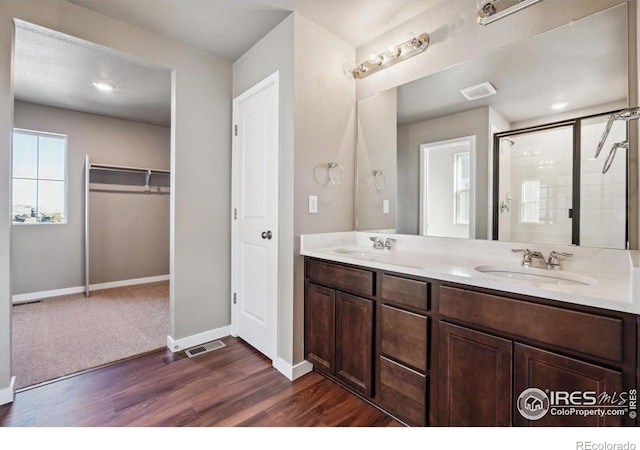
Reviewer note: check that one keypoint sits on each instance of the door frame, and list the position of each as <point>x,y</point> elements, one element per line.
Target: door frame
<point>271,80</point>
<point>424,174</point>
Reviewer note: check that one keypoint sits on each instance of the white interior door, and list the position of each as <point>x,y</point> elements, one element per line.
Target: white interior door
<point>255,223</point>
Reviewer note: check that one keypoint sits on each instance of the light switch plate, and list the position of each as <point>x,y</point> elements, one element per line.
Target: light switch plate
<point>385,206</point>
<point>313,204</point>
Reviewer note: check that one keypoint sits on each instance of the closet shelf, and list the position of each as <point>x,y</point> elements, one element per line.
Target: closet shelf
<point>111,168</point>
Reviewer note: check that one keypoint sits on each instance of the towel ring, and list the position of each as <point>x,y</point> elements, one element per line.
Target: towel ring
<point>331,171</point>
<point>379,179</point>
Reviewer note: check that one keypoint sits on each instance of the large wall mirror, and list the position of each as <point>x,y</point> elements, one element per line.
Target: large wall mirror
<point>502,147</point>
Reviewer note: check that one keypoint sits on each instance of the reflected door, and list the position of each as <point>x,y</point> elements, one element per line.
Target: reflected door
<point>536,186</point>
<point>446,188</point>
<point>551,188</point>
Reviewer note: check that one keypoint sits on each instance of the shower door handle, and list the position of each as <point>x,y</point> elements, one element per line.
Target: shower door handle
<point>267,234</point>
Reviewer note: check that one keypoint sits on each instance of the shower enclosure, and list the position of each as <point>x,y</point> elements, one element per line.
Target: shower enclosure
<point>549,187</point>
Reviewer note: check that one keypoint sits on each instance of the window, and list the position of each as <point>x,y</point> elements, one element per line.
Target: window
<point>39,177</point>
<point>461,189</point>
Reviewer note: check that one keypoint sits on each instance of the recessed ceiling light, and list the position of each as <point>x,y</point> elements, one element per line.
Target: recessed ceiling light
<point>104,86</point>
<point>559,105</point>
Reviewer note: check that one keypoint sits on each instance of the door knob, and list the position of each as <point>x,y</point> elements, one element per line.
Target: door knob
<point>267,234</point>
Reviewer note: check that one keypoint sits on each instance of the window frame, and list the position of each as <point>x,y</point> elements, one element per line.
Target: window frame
<point>457,191</point>
<point>44,134</point>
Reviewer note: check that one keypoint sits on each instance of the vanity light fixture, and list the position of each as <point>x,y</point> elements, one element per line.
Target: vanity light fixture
<point>104,86</point>
<point>394,54</point>
<point>492,10</point>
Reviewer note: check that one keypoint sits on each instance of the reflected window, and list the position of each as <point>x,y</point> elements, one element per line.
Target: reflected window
<point>462,188</point>
<point>39,177</point>
<point>530,204</point>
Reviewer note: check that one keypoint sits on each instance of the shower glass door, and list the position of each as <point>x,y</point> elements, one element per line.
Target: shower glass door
<point>551,189</point>
<point>535,198</point>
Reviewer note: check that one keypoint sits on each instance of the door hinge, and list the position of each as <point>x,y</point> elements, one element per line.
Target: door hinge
<point>235,214</point>
<point>235,130</point>
<point>235,298</point>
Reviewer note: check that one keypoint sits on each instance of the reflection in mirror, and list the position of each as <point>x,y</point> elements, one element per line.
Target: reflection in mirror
<point>446,181</point>
<point>551,189</point>
<point>550,78</point>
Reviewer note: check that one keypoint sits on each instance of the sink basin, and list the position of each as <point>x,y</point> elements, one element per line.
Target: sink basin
<point>362,252</point>
<point>537,275</point>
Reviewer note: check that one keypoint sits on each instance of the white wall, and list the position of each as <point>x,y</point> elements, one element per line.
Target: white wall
<point>130,232</point>
<point>201,142</point>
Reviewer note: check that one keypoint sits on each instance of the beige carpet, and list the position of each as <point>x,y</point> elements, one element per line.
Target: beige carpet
<point>68,334</point>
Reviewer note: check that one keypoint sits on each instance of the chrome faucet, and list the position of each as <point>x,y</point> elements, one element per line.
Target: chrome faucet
<point>378,244</point>
<point>527,258</point>
<point>553,263</point>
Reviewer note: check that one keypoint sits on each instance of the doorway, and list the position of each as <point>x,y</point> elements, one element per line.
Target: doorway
<point>101,101</point>
<point>447,188</point>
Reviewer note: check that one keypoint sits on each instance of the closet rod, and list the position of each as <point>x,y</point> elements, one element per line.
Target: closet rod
<point>106,167</point>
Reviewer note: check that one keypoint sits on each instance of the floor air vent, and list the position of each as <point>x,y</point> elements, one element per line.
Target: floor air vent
<point>208,347</point>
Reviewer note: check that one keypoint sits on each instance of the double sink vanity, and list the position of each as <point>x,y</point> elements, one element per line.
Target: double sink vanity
<point>450,332</point>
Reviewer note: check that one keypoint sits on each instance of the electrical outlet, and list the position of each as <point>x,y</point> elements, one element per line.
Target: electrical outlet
<point>313,204</point>
<point>385,206</point>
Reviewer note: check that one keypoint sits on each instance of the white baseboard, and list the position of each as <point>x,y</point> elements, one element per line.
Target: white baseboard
<point>176,345</point>
<point>32,296</point>
<point>292,372</point>
<point>123,283</point>
<point>6,394</point>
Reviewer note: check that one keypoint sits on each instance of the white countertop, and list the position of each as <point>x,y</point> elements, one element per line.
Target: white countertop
<point>614,275</point>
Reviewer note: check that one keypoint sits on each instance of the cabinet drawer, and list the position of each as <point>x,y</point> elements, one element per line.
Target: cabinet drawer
<point>583,332</point>
<point>403,336</point>
<point>356,281</point>
<point>404,291</point>
<point>403,392</point>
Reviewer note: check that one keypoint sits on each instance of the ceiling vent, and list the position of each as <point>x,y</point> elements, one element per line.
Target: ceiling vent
<point>477,91</point>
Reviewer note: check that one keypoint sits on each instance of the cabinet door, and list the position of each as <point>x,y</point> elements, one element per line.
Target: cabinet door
<point>534,368</point>
<point>320,312</point>
<point>474,378</point>
<point>354,342</point>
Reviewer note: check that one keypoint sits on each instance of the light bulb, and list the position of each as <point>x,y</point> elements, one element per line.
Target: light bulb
<point>104,86</point>
<point>375,59</point>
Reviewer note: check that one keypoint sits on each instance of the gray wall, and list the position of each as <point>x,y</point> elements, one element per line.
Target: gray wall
<point>200,153</point>
<point>325,127</point>
<point>323,102</point>
<point>410,137</point>
<point>248,70</point>
<point>376,150</point>
<point>130,233</point>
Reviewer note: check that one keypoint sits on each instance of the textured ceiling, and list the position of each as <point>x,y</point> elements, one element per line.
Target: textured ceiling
<point>55,69</point>
<point>228,28</point>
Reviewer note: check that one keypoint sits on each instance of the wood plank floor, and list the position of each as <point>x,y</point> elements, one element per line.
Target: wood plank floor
<point>232,386</point>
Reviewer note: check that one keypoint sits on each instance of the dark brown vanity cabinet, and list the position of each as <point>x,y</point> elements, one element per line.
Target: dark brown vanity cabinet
<point>434,353</point>
<point>403,364</point>
<point>339,325</point>
<point>498,347</point>
<point>369,330</point>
